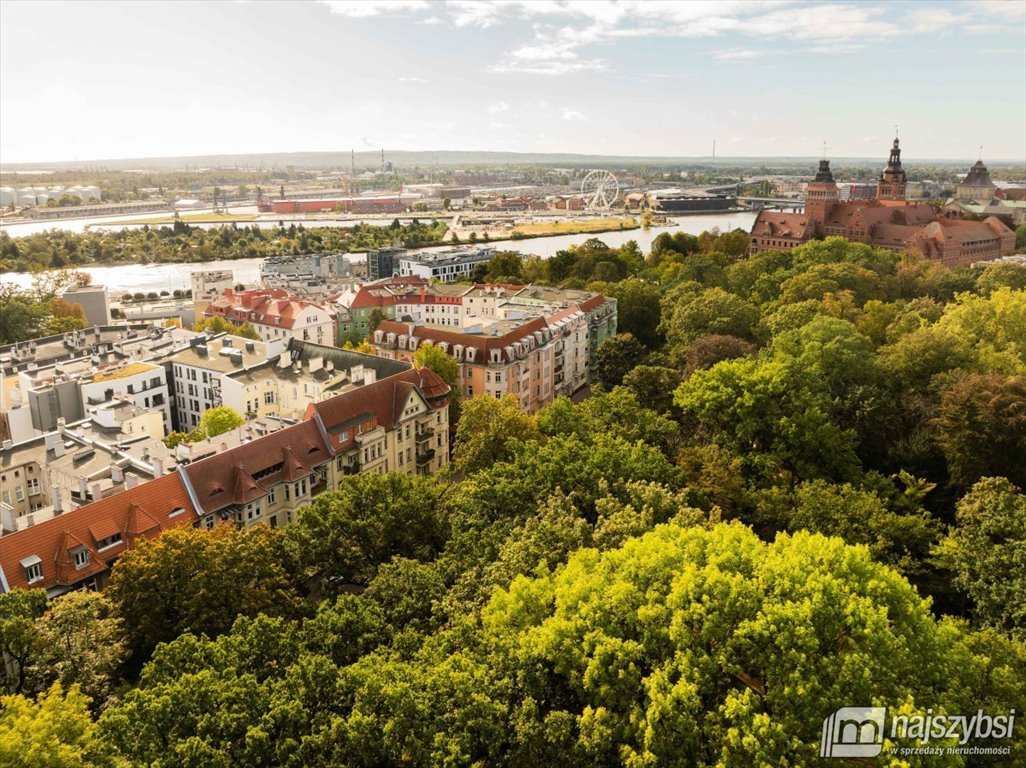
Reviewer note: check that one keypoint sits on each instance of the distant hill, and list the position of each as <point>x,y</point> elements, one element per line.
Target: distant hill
<point>446,158</point>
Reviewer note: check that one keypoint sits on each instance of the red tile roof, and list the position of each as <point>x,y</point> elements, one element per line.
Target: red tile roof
<point>380,403</point>
<point>243,473</point>
<point>137,513</point>
<point>264,306</point>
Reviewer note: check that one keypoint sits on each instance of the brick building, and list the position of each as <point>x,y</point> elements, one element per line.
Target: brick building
<point>889,222</point>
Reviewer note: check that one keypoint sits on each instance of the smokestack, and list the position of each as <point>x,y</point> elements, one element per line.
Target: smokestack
<point>55,501</point>
<point>83,487</point>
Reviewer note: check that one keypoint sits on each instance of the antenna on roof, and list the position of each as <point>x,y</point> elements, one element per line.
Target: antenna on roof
<point>981,153</point>
<point>824,151</point>
<point>895,130</point>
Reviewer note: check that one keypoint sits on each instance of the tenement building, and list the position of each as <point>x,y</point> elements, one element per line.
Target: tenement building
<point>103,501</point>
<point>889,221</point>
<point>534,342</point>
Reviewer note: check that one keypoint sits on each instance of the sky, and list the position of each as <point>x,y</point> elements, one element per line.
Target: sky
<point>96,80</point>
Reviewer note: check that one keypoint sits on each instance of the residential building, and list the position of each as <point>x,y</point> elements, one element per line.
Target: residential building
<point>72,466</point>
<point>383,262</point>
<point>94,300</point>
<point>888,222</point>
<point>446,266</point>
<point>208,285</point>
<point>197,373</point>
<point>60,377</point>
<point>262,473</point>
<point>277,315</point>
<point>534,342</point>
<point>77,549</point>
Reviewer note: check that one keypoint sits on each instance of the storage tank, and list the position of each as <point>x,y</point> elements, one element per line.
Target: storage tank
<point>90,193</point>
<point>27,196</point>
<point>7,196</point>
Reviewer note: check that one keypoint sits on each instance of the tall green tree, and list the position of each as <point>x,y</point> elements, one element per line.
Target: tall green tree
<point>217,421</point>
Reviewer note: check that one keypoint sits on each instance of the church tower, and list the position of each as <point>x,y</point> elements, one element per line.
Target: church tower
<point>892,182</point>
<point>820,196</point>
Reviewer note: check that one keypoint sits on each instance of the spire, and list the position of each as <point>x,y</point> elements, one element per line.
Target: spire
<point>824,174</point>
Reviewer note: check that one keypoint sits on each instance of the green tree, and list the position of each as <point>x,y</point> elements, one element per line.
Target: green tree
<point>616,357</point>
<point>637,310</point>
<point>986,551</point>
<point>489,430</point>
<point>217,421</point>
<point>505,267</point>
<point>81,643</point>
<point>432,356</point>
<point>19,636</point>
<point>713,311</point>
<point>344,536</point>
<point>177,583</point>
<point>55,731</point>
<point>776,414</point>
<point>981,428</point>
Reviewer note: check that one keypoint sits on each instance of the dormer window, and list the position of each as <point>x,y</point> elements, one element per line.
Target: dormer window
<point>80,557</point>
<point>33,566</point>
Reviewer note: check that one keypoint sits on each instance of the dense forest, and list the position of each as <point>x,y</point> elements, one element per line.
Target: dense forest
<point>799,486</point>
<point>183,243</point>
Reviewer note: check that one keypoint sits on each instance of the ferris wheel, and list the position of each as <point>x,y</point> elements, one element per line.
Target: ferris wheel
<point>600,190</point>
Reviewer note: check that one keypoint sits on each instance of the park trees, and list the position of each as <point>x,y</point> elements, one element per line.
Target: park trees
<point>986,551</point>
<point>196,580</point>
<point>488,431</point>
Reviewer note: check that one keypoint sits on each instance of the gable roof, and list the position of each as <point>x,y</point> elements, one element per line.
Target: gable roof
<point>383,401</point>
<point>137,513</point>
<point>247,471</point>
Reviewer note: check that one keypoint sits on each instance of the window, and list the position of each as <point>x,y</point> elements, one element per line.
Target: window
<point>80,557</point>
<point>33,572</point>
<point>110,541</point>
<point>33,486</point>
<point>19,493</point>
<point>268,398</point>
<point>176,512</point>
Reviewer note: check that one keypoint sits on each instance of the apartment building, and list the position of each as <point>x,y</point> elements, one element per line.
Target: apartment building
<point>62,377</point>
<point>277,315</point>
<point>527,347</point>
<point>197,373</point>
<point>262,474</point>
<point>74,465</point>
<point>77,549</point>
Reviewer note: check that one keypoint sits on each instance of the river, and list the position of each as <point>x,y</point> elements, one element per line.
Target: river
<point>133,278</point>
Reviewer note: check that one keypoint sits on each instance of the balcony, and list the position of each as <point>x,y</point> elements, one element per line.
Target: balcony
<point>425,456</point>
<point>424,435</point>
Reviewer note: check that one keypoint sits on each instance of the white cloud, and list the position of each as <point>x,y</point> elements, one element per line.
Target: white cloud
<point>737,54</point>
<point>361,9</point>
<point>412,80</point>
<point>1010,10</point>
<point>497,107</point>
<point>573,115</point>
<point>430,20</point>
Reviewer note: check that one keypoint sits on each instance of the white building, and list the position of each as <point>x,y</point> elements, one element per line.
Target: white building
<point>446,266</point>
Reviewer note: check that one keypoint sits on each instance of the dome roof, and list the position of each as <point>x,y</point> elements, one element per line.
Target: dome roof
<point>977,176</point>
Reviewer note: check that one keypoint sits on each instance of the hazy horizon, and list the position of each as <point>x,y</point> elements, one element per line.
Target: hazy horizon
<point>625,79</point>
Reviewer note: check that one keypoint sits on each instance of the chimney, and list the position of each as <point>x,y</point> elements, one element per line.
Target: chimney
<point>30,520</point>
<point>96,493</point>
<point>117,474</point>
<point>146,453</point>
<point>158,467</point>
<point>8,445</point>
<point>131,481</point>
<point>83,487</point>
<point>222,447</point>
<point>55,501</point>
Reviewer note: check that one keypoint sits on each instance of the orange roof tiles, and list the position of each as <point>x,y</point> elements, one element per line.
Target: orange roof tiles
<point>137,513</point>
